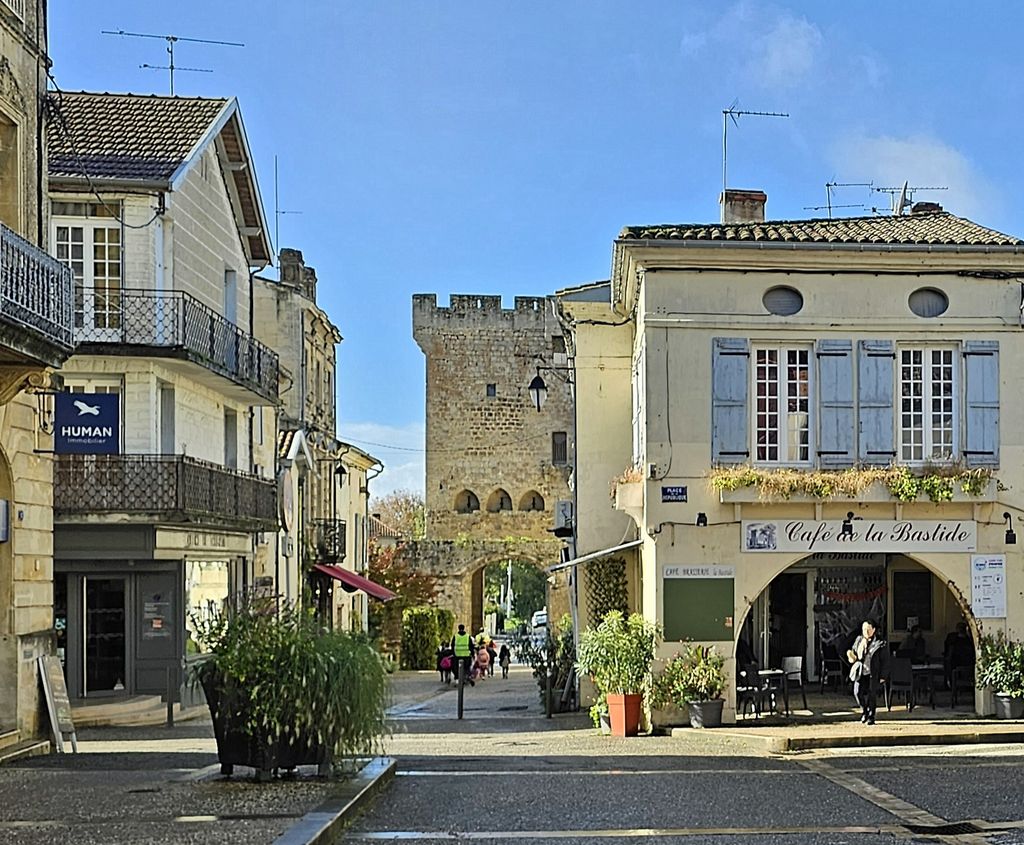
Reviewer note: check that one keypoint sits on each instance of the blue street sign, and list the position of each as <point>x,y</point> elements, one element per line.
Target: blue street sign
<point>673,494</point>
<point>87,424</point>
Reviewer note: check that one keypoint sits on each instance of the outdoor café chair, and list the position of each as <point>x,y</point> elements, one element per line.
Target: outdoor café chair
<point>794,670</point>
<point>900,680</point>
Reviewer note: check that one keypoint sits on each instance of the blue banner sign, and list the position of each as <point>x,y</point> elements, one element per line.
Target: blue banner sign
<point>87,424</point>
<point>673,494</point>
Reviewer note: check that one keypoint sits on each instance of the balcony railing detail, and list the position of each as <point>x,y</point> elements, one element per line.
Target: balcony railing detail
<point>178,321</point>
<point>35,290</point>
<point>173,487</point>
<point>16,6</point>
<point>329,536</point>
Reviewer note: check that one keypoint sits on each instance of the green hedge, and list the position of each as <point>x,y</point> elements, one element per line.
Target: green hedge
<point>445,624</point>
<point>420,637</point>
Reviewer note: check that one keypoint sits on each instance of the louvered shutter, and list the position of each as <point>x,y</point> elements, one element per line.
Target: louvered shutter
<point>836,429</point>
<point>876,420</point>
<point>730,386</point>
<point>981,429</point>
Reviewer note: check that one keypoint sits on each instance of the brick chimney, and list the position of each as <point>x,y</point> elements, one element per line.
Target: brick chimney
<point>742,206</point>
<point>296,274</point>
<point>925,208</point>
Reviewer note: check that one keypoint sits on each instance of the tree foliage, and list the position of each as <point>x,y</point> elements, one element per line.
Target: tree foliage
<point>404,511</point>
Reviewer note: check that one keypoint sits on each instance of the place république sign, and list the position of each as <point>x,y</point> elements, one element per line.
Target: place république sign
<point>869,535</point>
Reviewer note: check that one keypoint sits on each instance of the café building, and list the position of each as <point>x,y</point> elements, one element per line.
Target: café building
<point>804,424</point>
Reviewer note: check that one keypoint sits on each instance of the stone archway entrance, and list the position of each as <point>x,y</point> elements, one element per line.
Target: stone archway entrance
<point>813,610</point>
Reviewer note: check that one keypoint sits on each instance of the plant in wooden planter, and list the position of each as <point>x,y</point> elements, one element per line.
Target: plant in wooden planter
<point>617,654</point>
<point>627,489</point>
<point>283,693</point>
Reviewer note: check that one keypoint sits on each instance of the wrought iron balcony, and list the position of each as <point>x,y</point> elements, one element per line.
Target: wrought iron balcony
<point>329,537</point>
<point>177,325</point>
<point>35,303</point>
<point>174,488</point>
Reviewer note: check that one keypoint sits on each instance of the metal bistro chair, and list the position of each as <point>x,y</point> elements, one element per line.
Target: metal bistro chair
<point>962,680</point>
<point>900,680</point>
<point>793,667</point>
<point>748,690</point>
<point>832,670</point>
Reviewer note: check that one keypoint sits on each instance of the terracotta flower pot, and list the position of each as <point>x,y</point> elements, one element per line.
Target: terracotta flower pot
<point>624,711</point>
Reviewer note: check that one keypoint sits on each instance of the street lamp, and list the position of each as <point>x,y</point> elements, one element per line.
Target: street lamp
<point>538,391</point>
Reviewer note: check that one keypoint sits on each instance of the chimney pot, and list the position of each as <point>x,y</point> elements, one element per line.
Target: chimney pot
<point>925,208</point>
<point>740,206</point>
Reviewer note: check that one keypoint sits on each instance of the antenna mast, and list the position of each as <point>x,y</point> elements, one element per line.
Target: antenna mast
<point>903,196</point>
<point>732,113</point>
<point>278,212</point>
<point>830,186</point>
<point>171,40</point>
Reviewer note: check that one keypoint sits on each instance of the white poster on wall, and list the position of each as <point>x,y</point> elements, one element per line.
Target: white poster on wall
<point>861,535</point>
<point>988,586</point>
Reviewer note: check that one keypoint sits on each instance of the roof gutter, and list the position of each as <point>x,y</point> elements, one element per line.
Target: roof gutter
<point>76,183</point>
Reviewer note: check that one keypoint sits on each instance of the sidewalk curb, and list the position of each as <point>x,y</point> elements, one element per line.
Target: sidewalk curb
<point>326,823</point>
<point>783,744</point>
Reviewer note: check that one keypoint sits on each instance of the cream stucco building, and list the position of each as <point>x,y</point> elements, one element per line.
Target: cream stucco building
<point>155,207</point>
<point>320,550</point>
<point>805,346</point>
<point>35,337</point>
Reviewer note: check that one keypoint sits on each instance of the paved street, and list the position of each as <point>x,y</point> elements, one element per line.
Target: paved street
<point>507,774</point>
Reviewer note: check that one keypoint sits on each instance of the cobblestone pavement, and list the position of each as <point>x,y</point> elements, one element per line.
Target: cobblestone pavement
<point>506,774</point>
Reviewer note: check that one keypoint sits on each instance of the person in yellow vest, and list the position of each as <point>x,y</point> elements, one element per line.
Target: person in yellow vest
<point>462,645</point>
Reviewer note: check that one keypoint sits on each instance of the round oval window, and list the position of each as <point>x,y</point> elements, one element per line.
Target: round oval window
<point>782,301</point>
<point>928,302</point>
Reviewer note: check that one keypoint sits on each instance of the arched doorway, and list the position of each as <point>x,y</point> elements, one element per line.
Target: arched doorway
<point>507,593</point>
<point>814,607</point>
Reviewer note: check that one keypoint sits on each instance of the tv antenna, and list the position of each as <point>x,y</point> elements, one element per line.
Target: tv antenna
<point>171,41</point>
<point>831,186</point>
<point>732,113</point>
<point>278,212</point>
<point>903,196</point>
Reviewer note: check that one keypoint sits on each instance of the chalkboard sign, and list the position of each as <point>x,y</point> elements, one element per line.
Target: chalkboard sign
<point>698,608</point>
<point>57,702</point>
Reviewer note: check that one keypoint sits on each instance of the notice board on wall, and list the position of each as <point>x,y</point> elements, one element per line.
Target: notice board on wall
<point>698,602</point>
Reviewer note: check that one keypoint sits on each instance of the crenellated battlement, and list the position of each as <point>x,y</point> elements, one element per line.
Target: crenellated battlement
<point>480,311</point>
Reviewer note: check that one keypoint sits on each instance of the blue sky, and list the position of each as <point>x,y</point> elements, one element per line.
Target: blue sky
<point>485,147</point>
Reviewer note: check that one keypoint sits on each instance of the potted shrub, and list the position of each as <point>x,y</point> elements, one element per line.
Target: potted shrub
<point>628,489</point>
<point>698,682</point>
<point>284,693</point>
<point>617,654</point>
<point>668,695</point>
<point>1001,667</point>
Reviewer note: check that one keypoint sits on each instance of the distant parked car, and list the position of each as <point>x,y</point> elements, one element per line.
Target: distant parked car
<point>539,619</point>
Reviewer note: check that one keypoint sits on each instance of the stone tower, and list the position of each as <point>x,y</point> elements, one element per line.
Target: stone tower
<point>496,467</point>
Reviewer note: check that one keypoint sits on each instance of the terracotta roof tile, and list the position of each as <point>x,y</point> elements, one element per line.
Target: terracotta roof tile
<point>922,228</point>
<point>125,136</point>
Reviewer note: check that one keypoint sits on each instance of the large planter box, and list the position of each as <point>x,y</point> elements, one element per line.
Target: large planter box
<point>669,716</point>
<point>236,746</point>
<point>877,492</point>
<point>1007,707</point>
<point>624,711</point>
<point>629,496</point>
<point>706,714</point>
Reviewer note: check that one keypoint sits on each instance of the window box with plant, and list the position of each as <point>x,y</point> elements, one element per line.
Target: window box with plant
<point>1001,668</point>
<point>628,490</point>
<point>617,654</point>
<point>282,693</point>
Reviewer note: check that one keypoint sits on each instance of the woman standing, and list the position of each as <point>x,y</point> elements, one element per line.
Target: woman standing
<point>868,657</point>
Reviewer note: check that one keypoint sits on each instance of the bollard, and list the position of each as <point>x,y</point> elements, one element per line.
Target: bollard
<point>462,681</point>
<point>170,696</point>
<point>547,682</point>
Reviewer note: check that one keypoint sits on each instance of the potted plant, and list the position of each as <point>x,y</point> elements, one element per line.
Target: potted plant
<point>1001,667</point>
<point>284,693</point>
<point>697,679</point>
<point>668,695</point>
<point>617,654</point>
<point>628,489</point>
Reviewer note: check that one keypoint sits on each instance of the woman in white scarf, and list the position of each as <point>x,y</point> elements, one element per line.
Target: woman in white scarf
<point>868,657</point>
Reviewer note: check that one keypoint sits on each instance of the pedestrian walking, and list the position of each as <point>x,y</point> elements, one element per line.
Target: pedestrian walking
<point>462,647</point>
<point>504,659</point>
<point>482,663</point>
<point>493,655</point>
<point>869,659</point>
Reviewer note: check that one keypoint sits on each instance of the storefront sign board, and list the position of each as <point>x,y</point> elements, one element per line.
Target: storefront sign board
<point>57,702</point>
<point>988,586</point>
<point>869,535</point>
<point>87,424</point>
<point>712,571</point>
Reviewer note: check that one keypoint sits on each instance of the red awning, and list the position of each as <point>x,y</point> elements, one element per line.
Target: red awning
<point>356,582</point>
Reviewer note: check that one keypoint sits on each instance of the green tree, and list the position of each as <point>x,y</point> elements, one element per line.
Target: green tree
<point>404,511</point>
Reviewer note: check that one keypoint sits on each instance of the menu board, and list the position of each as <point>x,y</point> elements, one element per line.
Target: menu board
<point>988,586</point>
<point>57,702</point>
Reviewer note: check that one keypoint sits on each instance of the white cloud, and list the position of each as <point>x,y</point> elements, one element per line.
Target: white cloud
<point>400,448</point>
<point>919,160</point>
<point>787,53</point>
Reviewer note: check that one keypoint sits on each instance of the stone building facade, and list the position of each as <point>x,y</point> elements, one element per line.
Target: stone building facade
<point>496,466</point>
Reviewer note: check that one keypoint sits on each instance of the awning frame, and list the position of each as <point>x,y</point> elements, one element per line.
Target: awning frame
<point>356,581</point>
<point>576,561</point>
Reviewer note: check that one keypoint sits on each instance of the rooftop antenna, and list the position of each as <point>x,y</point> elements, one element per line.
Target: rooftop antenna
<point>171,41</point>
<point>903,196</point>
<point>278,212</point>
<point>831,186</point>
<point>732,113</point>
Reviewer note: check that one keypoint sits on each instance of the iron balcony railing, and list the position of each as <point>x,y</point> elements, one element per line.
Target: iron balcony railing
<point>16,6</point>
<point>176,488</point>
<point>35,293</point>
<point>329,537</point>
<point>178,324</point>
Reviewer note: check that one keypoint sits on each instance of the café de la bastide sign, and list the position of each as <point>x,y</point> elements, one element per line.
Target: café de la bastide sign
<point>864,535</point>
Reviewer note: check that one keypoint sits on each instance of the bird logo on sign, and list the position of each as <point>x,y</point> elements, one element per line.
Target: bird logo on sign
<point>84,408</point>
